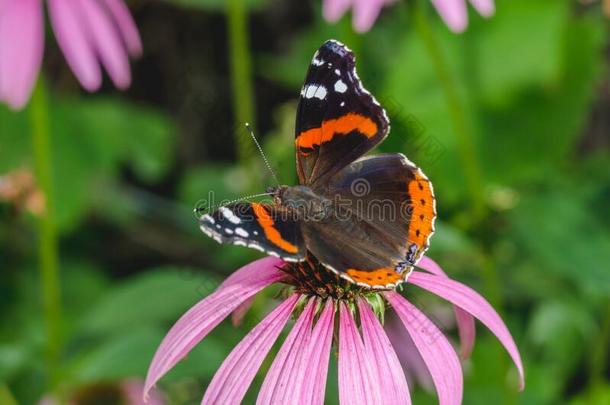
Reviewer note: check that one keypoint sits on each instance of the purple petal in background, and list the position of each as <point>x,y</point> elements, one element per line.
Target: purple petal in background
<point>453,12</point>
<point>358,383</point>
<point>73,38</point>
<point>21,49</point>
<point>469,300</point>
<point>232,380</point>
<point>280,384</point>
<point>313,388</point>
<point>133,391</point>
<point>333,10</point>
<point>413,365</point>
<point>365,13</point>
<point>435,349</point>
<point>240,312</point>
<point>393,388</point>
<point>486,8</point>
<point>104,37</point>
<point>465,321</point>
<point>207,314</point>
<point>126,26</point>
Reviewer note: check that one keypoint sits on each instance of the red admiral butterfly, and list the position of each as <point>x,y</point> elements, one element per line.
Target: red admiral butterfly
<point>368,219</point>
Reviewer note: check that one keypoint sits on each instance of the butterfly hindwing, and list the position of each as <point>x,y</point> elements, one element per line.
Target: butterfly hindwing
<point>383,217</point>
<point>338,120</point>
<point>260,226</point>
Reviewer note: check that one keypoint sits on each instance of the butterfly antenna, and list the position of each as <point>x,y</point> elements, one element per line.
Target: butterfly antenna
<point>248,197</point>
<point>260,150</point>
<point>199,210</point>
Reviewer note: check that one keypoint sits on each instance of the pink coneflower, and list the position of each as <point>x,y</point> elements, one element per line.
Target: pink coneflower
<point>329,311</point>
<point>365,12</point>
<point>90,33</point>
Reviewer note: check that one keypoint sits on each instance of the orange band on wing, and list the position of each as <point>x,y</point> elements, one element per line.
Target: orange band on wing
<point>422,201</point>
<point>380,277</point>
<point>342,125</point>
<point>267,223</point>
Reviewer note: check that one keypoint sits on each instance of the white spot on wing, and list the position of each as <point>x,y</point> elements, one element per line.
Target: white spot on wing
<point>229,231</point>
<point>316,91</point>
<point>228,214</point>
<point>241,232</point>
<point>340,87</point>
<point>317,62</point>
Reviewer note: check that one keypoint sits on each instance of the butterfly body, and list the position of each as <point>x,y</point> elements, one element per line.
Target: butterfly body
<point>366,218</point>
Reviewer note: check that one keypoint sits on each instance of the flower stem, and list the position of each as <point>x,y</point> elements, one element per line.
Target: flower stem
<point>461,129</point>
<point>47,240</point>
<point>241,76</point>
<point>597,364</point>
<point>6,397</point>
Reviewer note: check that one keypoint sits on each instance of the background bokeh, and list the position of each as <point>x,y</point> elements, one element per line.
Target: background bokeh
<point>510,120</point>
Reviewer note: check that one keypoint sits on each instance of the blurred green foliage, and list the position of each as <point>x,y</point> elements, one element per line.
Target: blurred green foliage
<point>533,84</point>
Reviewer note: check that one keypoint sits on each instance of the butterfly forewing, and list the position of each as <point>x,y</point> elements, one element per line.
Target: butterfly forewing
<point>338,120</point>
<point>264,227</point>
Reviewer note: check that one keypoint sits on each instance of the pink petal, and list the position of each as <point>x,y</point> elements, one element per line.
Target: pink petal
<point>240,312</point>
<point>333,10</point>
<point>193,326</point>
<point>413,365</point>
<point>72,36</point>
<point>465,321</point>
<point>469,300</point>
<point>21,49</point>
<point>394,389</point>
<point>365,13</point>
<point>358,383</point>
<point>281,382</point>
<point>486,8</point>
<point>453,12</point>
<point>313,389</point>
<point>127,26</point>
<point>239,277</point>
<point>105,38</point>
<point>233,378</point>
<point>435,349</point>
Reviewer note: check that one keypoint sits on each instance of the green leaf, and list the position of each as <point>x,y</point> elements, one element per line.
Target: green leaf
<point>597,395</point>
<point>125,355</point>
<point>539,129</point>
<point>558,232</point>
<point>519,47</point>
<point>157,297</point>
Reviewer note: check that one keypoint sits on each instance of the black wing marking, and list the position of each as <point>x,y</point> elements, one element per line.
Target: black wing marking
<point>338,120</point>
<point>259,226</point>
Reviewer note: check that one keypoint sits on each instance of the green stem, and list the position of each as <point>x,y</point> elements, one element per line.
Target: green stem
<point>48,243</point>
<point>597,364</point>
<point>241,76</point>
<point>457,113</point>
<point>6,397</point>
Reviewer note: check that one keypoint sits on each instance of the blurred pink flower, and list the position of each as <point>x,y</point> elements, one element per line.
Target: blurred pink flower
<point>125,392</point>
<point>368,368</point>
<point>365,12</point>
<point>89,32</point>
